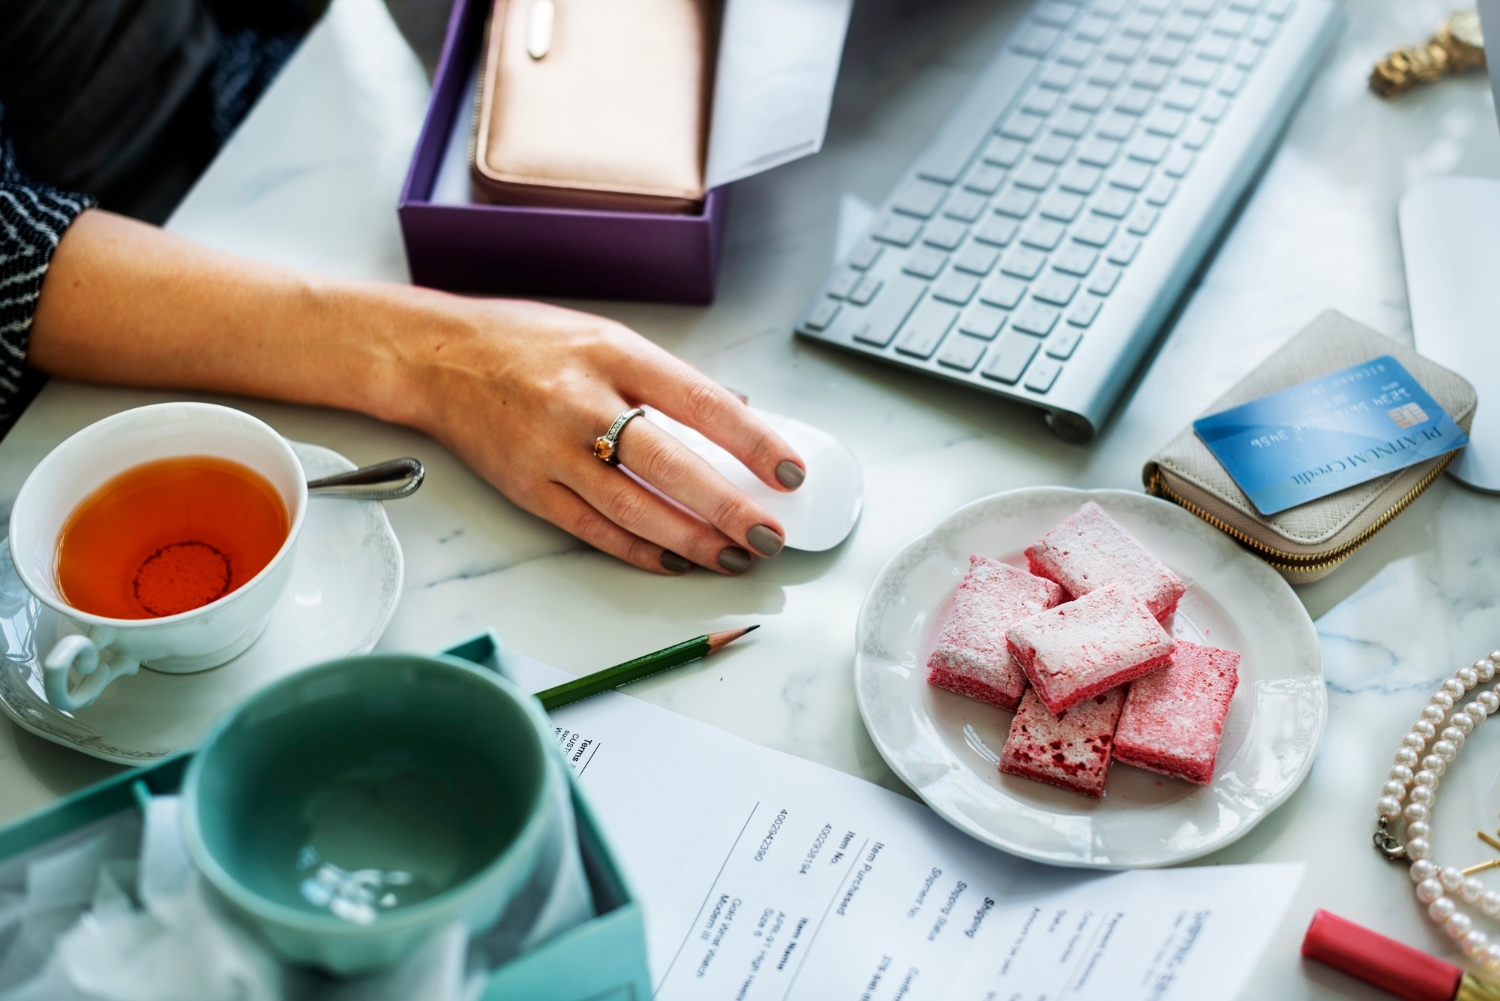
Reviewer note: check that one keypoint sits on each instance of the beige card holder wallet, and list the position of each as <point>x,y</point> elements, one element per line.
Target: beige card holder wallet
<point>595,104</point>
<point>1307,542</point>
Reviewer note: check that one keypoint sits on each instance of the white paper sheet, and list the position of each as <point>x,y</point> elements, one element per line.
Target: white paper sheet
<point>764,876</point>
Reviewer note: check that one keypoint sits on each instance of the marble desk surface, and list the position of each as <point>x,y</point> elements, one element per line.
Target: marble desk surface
<point>312,178</point>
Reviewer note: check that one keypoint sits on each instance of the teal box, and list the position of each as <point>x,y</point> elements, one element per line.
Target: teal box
<point>601,960</point>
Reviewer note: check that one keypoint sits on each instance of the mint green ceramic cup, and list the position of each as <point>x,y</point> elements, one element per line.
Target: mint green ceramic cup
<point>351,810</point>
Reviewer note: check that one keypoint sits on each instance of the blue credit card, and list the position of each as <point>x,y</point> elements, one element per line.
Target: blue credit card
<point>1329,433</point>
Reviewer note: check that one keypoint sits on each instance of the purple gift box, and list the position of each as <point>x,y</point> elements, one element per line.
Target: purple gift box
<point>512,249</point>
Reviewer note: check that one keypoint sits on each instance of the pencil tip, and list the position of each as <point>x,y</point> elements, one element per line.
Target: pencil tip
<point>751,629</point>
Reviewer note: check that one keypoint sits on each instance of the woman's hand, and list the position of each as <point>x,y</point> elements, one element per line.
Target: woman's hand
<point>520,390</point>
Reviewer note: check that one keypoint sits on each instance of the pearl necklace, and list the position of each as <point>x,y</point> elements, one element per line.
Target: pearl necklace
<point>1414,778</point>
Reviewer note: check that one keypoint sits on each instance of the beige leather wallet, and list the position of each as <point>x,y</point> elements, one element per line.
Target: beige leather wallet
<point>1307,542</point>
<point>598,104</point>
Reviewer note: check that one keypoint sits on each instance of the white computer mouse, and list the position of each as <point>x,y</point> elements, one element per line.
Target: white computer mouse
<point>817,515</point>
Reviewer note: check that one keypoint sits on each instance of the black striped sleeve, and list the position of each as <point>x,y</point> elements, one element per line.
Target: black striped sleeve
<point>33,218</point>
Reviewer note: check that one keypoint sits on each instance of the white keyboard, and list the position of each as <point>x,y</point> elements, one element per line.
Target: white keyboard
<point>1045,235</point>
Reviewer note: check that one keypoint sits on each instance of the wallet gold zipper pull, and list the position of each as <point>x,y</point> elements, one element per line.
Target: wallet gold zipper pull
<point>539,28</point>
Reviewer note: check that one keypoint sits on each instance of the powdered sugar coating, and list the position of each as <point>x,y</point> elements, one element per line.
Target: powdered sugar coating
<point>1174,718</point>
<point>1091,549</point>
<point>971,656</point>
<point>1084,647</point>
<point>1071,751</point>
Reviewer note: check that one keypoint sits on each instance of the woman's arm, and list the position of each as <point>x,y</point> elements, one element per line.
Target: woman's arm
<point>519,390</point>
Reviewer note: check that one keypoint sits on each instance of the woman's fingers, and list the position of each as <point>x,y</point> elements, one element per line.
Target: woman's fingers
<point>567,510</point>
<point>674,469</point>
<point>612,492</point>
<point>682,392</point>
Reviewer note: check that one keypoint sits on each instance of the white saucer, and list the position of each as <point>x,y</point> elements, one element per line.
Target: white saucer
<point>947,747</point>
<point>344,589</point>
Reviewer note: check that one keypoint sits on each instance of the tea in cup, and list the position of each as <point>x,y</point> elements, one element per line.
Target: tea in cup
<point>167,533</point>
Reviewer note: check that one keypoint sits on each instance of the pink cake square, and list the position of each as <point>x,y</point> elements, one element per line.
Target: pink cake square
<point>1174,718</point>
<point>1084,647</point>
<point>1071,751</point>
<point>971,657</point>
<point>1090,550</point>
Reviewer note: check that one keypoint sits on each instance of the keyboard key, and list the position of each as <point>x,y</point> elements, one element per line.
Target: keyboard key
<point>1214,108</point>
<point>1080,179</point>
<point>1055,288</point>
<point>1042,234</point>
<point>1023,262</point>
<point>1053,149</point>
<point>1075,52</point>
<point>822,314</point>
<point>1178,164</point>
<point>1105,280</point>
<point>1168,52</point>
<point>996,229</point>
<point>1279,9</point>
<point>1182,97</point>
<point>1035,318</point>
<point>1131,175</point>
<point>1246,55</point>
<point>866,253</point>
<point>1200,72</point>
<point>1164,122</point>
<point>1053,13</point>
<point>1057,76</point>
<point>961,352</point>
<point>1035,175</point>
<point>1110,8</point>
<point>1035,40</point>
<point>1231,82</point>
<point>1003,292</point>
<point>1062,206</point>
<point>1245,6</point>
<point>1262,30</point>
<point>1142,221</point>
<point>1015,202</point>
<point>1003,152</point>
<point>868,286</point>
<point>1183,27</point>
<point>985,178</point>
<point>1095,230</point>
<point>955,288</point>
<point>976,259</point>
<point>844,283</point>
<point>1041,101</point>
<point>945,233</point>
<point>1113,202</point>
<point>1134,101</point>
<point>1199,8</point>
<point>1107,74</point>
<point>965,205</point>
<point>899,230</point>
<point>1092,28</point>
<point>1123,50</point>
<point>926,327</point>
<point>1116,127</point>
<point>1075,259</point>
<point>1098,152</point>
<point>1021,126</point>
<point>1123,252</point>
<point>890,311</point>
<point>1062,344</point>
<point>1090,98</point>
<point>925,262</point>
<point>1072,123</point>
<point>1042,375</point>
<point>1151,77</point>
<point>1195,135</point>
<point>920,198</point>
<point>1009,358</point>
<point>1154,7</point>
<point>1161,191</point>
<point>982,321</point>
<point>1148,149</point>
<point>1139,25</point>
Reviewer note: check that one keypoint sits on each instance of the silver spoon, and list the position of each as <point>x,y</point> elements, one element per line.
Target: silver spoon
<point>383,481</point>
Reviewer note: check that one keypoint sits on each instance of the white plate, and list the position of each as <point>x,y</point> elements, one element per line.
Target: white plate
<point>344,589</point>
<point>947,747</point>
<point>820,513</point>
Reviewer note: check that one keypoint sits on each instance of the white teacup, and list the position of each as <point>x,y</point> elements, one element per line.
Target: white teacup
<point>190,641</point>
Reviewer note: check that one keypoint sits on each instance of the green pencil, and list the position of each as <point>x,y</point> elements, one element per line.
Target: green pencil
<point>641,667</point>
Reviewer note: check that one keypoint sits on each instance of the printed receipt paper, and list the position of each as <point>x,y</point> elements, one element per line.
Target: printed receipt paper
<point>764,876</point>
<point>1327,434</point>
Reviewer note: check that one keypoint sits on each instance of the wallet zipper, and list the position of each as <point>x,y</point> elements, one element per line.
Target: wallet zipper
<point>1292,562</point>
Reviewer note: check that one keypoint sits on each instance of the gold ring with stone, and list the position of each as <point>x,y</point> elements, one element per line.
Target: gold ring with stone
<point>607,445</point>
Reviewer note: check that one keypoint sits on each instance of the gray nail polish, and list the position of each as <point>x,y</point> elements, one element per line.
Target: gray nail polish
<point>790,474</point>
<point>765,540</point>
<point>734,559</point>
<point>675,563</point>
